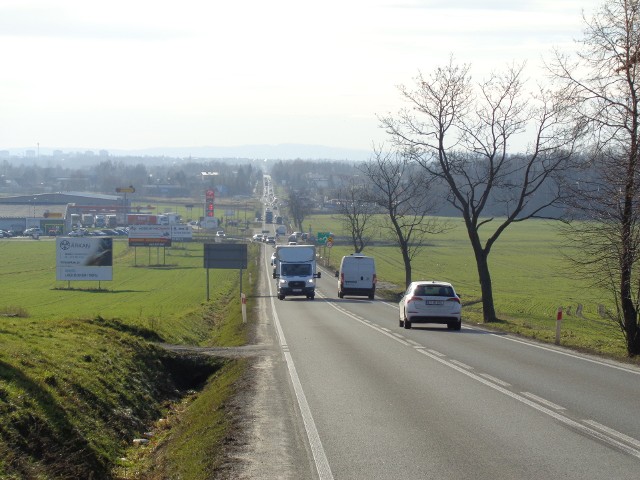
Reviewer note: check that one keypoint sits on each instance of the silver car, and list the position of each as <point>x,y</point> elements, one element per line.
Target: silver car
<point>431,302</point>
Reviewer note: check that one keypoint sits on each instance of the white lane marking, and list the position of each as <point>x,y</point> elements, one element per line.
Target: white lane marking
<point>613,433</point>
<point>500,386</point>
<point>542,401</point>
<point>502,336</point>
<point>559,352</point>
<point>495,380</point>
<point>592,432</point>
<point>461,364</point>
<point>319,455</point>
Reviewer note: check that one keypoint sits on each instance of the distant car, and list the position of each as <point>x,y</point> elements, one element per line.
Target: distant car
<point>220,233</point>
<point>77,233</point>
<point>293,243</point>
<point>257,237</point>
<point>271,240</point>
<point>273,258</point>
<point>431,302</point>
<point>29,232</point>
<point>5,234</point>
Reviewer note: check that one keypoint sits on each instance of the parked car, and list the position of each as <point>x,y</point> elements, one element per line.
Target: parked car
<point>32,232</point>
<point>431,302</point>
<point>220,233</point>
<point>271,240</point>
<point>5,234</point>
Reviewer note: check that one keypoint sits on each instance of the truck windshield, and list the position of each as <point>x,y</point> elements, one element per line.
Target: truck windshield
<point>296,269</point>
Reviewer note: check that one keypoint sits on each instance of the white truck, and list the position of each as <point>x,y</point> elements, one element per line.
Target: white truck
<point>295,271</point>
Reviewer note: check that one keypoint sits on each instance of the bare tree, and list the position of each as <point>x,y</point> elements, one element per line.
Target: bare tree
<point>460,133</point>
<point>603,83</point>
<point>404,194</point>
<point>356,212</point>
<point>299,208</point>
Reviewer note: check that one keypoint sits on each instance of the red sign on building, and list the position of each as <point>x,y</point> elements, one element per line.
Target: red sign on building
<point>209,209</point>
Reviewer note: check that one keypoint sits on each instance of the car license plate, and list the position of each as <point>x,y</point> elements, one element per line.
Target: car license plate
<point>296,290</point>
<point>435,302</point>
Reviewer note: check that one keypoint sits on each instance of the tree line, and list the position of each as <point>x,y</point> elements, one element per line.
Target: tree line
<point>451,145</point>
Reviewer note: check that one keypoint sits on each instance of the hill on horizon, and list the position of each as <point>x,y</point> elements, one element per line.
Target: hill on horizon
<point>267,152</point>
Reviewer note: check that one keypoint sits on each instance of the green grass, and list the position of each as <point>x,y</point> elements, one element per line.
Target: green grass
<point>162,291</point>
<point>530,275</point>
<point>80,374</point>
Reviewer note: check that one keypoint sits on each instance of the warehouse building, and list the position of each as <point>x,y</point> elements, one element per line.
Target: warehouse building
<point>53,212</point>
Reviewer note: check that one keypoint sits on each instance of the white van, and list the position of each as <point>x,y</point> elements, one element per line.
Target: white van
<point>357,276</point>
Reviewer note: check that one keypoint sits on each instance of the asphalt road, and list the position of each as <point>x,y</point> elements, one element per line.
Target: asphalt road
<point>354,396</point>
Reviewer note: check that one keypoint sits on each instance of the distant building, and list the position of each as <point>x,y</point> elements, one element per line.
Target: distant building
<point>52,211</point>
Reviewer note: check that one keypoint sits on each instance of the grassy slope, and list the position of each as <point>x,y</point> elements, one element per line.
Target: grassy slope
<point>79,378</point>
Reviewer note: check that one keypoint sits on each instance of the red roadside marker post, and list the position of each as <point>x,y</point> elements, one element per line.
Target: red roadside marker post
<point>558,324</point>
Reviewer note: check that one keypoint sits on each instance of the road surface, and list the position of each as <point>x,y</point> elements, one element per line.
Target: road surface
<point>345,393</point>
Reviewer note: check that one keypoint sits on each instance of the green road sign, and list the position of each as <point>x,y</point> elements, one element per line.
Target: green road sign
<point>322,237</point>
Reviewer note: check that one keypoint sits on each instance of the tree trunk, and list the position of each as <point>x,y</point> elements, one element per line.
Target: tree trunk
<point>407,264</point>
<point>488,309</point>
<point>482,263</point>
<point>629,312</point>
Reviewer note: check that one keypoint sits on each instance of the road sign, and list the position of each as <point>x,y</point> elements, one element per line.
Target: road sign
<point>322,237</point>
<point>128,189</point>
<point>225,255</point>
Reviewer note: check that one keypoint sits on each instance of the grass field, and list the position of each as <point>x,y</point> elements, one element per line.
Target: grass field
<point>531,278</point>
<point>150,285</point>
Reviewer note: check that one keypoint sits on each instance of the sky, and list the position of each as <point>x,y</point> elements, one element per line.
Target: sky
<point>135,74</point>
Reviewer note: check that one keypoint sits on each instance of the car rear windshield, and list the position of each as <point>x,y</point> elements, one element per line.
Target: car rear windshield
<point>433,291</point>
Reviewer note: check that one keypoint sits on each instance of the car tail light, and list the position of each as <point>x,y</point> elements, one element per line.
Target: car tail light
<point>453,299</point>
<point>414,299</point>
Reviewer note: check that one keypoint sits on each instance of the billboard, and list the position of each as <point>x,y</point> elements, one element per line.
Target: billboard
<point>149,236</point>
<point>84,258</point>
<point>181,233</point>
<point>225,255</point>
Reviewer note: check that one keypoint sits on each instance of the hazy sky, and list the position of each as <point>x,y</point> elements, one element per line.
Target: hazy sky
<point>152,73</point>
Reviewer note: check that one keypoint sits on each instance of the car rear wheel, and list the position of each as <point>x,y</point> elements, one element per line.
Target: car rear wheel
<point>280,297</point>
<point>407,324</point>
<point>340,294</point>
<point>455,325</point>
<point>401,323</point>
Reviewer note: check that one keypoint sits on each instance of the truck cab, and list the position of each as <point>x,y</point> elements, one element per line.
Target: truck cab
<point>295,271</point>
